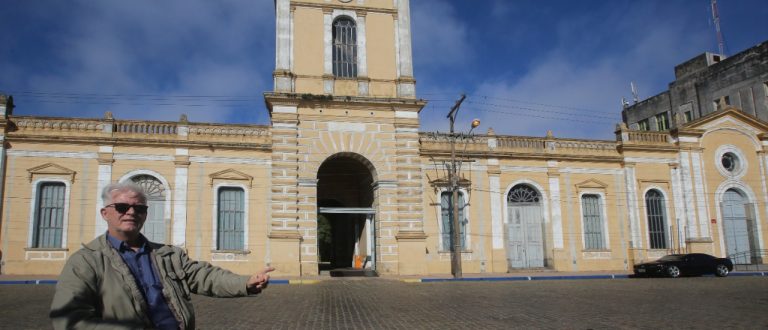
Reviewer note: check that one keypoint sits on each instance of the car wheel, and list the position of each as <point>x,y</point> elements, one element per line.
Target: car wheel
<point>721,270</point>
<point>673,271</point>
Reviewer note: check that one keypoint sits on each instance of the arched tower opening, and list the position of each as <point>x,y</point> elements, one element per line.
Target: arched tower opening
<point>345,226</point>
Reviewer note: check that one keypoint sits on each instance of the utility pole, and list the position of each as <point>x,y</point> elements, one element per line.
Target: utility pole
<point>454,182</point>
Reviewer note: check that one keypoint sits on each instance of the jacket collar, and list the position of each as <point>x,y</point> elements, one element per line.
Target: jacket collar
<point>100,243</point>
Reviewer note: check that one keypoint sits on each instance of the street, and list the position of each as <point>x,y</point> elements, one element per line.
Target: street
<point>366,303</point>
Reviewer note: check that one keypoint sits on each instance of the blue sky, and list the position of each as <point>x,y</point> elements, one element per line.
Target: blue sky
<point>526,66</point>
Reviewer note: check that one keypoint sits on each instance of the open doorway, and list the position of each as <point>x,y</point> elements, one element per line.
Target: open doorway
<point>345,221</point>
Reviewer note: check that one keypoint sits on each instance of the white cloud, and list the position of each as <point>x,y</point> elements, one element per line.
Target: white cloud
<point>574,89</point>
<point>165,48</point>
<point>440,37</point>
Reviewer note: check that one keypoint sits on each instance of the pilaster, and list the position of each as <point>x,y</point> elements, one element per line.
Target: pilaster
<point>105,160</point>
<point>181,179</point>
<point>285,239</point>
<point>307,225</point>
<point>553,176</point>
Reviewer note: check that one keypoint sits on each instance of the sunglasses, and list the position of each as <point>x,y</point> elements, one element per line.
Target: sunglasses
<point>124,207</point>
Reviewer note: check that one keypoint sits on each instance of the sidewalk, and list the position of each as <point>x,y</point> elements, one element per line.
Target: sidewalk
<point>473,277</point>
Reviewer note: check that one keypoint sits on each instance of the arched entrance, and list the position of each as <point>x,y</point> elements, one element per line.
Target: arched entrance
<point>525,228</point>
<point>345,220</point>
<point>738,226</point>
<point>154,227</point>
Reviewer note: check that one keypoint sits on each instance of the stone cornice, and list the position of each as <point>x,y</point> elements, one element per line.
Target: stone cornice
<point>332,6</point>
<point>314,101</point>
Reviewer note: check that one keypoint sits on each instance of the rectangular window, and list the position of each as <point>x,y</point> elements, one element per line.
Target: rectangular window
<point>688,116</point>
<point>593,222</point>
<point>344,36</point>
<point>49,215</point>
<point>643,125</point>
<point>231,219</point>
<point>446,209</point>
<point>716,102</point>
<point>662,121</point>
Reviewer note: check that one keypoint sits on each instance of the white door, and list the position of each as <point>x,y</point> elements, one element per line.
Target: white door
<point>736,227</point>
<point>154,227</point>
<point>525,239</point>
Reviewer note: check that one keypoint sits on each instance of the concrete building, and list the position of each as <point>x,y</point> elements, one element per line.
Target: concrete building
<point>701,84</point>
<point>342,177</point>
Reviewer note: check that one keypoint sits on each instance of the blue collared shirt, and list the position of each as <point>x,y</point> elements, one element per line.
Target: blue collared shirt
<point>140,264</point>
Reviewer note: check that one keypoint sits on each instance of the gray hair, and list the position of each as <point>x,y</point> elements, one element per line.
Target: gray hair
<point>107,192</point>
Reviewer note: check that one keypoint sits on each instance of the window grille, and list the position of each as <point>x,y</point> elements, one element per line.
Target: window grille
<point>231,219</point>
<point>49,217</point>
<point>153,188</point>
<point>523,194</point>
<point>593,222</point>
<point>344,48</point>
<point>447,218</point>
<point>657,229</point>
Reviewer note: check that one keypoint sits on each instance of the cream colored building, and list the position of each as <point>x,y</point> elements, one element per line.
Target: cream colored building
<point>342,177</point>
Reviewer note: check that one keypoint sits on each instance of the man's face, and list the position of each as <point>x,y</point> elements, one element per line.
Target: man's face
<point>124,225</point>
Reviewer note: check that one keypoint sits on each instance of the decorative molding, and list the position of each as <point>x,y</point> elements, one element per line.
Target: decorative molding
<point>410,235</point>
<point>51,169</point>
<point>231,174</point>
<point>230,160</point>
<point>53,154</point>
<point>591,184</point>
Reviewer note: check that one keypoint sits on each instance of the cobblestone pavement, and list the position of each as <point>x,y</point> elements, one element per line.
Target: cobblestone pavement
<point>704,302</point>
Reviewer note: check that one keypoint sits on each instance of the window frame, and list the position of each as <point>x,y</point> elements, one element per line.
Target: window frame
<point>664,214</point>
<point>662,121</point>
<point>643,125</point>
<point>215,217</point>
<point>33,213</point>
<point>341,64</point>
<point>465,212</point>
<point>603,223</point>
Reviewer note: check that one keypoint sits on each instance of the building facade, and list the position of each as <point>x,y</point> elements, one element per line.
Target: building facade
<point>342,177</point>
<point>705,84</point>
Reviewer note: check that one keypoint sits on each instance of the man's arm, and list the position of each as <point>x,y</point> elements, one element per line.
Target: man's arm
<point>206,279</point>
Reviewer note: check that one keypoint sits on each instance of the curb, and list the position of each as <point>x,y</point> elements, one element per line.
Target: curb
<point>433,280</point>
<point>554,277</point>
<point>521,278</point>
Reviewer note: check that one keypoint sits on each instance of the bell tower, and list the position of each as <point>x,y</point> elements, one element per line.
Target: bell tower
<point>344,94</point>
<point>344,47</point>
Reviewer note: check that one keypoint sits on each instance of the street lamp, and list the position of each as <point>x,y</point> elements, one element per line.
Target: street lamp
<point>453,179</point>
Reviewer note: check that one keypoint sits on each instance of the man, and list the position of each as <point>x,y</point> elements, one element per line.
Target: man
<point>121,280</point>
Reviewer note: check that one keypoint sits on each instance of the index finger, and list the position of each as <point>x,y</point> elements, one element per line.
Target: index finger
<point>267,270</point>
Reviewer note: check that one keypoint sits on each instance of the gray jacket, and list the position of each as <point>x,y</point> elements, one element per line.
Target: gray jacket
<point>97,290</point>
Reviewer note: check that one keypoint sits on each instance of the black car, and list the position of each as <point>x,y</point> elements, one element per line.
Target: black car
<point>676,265</point>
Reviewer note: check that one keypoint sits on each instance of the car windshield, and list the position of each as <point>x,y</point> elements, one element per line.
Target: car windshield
<point>671,258</point>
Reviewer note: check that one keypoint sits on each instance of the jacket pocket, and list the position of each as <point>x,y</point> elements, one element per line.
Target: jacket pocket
<point>178,278</point>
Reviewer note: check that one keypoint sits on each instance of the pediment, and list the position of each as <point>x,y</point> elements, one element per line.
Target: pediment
<point>730,116</point>
<point>591,184</point>
<point>51,169</point>
<point>231,175</point>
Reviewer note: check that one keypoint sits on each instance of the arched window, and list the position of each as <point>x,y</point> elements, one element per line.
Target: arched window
<point>230,224</point>
<point>49,215</point>
<point>446,208</point>
<point>344,48</point>
<point>154,227</point>
<point>657,222</point>
<point>523,194</point>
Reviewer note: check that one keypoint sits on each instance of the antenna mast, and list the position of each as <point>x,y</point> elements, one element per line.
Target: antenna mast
<point>716,19</point>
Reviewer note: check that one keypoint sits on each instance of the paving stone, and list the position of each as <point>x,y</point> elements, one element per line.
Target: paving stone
<point>375,303</point>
